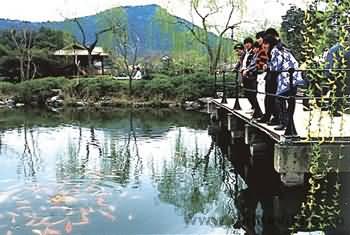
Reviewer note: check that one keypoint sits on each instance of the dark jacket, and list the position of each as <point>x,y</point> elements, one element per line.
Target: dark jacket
<point>239,64</point>
<point>252,68</point>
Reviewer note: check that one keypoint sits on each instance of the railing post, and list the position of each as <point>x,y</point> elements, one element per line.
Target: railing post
<point>237,106</point>
<point>291,131</point>
<point>215,85</point>
<point>224,100</point>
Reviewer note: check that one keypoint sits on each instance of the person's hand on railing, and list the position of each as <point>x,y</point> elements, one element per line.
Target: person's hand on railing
<point>245,73</point>
<point>265,67</point>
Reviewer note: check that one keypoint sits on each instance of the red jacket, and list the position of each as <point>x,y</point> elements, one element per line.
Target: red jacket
<point>262,59</point>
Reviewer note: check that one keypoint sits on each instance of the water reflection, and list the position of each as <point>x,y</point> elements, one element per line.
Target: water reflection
<point>266,206</point>
<point>139,172</point>
<point>132,172</point>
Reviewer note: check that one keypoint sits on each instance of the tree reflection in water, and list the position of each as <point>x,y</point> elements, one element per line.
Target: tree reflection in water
<point>197,184</point>
<point>30,157</point>
<point>265,206</point>
<point>135,159</point>
<point>107,156</point>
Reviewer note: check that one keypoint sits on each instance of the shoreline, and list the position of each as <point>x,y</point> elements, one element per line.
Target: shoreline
<point>57,103</point>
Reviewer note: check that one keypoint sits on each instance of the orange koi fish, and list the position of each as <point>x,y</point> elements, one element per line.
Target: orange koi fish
<point>68,227</point>
<point>101,202</point>
<point>49,231</point>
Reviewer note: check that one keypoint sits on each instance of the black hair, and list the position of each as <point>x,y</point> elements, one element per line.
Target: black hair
<point>256,45</point>
<point>248,40</point>
<point>273,32</point>
<point>270,40</point>
<point>260,34</point>
<point>239,46</point>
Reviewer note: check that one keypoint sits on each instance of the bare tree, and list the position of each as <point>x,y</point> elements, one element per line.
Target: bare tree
<point>31,156</point>
<point>24,42</point>
<point>206,12</point>
<point>91,46</point>
<point>126,48</point>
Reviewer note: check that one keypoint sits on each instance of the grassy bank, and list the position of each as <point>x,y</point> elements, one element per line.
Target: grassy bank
<point>159,88</point>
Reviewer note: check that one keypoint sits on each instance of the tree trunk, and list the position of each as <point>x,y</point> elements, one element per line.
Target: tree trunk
<point>130,85</point>
<point>90,68</point>
<point>103,65</point>
<point>212,63</point>
<point>21,67</point>
<point>218,53</point>
<point>28,65</point>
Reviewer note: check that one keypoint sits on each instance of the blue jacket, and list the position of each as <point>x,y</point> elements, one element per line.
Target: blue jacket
<point>334,54</point>
<point>283,60</point>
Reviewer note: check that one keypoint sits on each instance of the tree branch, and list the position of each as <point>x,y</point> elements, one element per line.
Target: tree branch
<point>193,32</point>
<point>82,32</point>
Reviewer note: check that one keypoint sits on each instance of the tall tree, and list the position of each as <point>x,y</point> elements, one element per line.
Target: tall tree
<point>186,52</point>
<point>206,12</point>
<point>125,43</point>
<point>25,53</point>
<point>291,28</point>
<point>24,42</point>
<point>126,48</point>
<point>90,46</point>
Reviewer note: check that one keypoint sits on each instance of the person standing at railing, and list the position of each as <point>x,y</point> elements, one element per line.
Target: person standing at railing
<point>250,74</point>
<point>261,60</point>
<point>270,79</point>
<point>248,84</point>
<point>239,49</point>
<point>338,58</point>
<point>262,57</point>
<point>281,61</point>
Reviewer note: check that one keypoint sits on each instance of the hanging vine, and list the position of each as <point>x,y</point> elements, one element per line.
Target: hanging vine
<point>321,209</point>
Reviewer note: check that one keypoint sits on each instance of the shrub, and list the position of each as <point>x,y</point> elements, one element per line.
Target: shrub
<point>193,86</point>
<point>38,89</point>
<point>94,88</point>
<point>7,88</point>
<point>161,87</point>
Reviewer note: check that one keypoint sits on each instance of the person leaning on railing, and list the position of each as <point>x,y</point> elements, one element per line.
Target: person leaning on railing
<point>248,56</point>
<point>239,50</point>
<point>270,79</point>
<point>262,56</point>
<point>250,74</point>
<point>280,62</point>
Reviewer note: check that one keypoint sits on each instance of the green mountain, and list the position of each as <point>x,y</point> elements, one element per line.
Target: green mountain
<point>154,35</point>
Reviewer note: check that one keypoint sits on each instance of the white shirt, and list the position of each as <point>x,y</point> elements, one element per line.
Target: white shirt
<point>244,63</point>
<point>138,75</point>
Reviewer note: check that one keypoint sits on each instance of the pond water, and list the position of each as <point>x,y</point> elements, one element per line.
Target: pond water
<point>132,172</point>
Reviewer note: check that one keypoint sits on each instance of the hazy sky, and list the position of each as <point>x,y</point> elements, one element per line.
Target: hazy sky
<point>43,10</point>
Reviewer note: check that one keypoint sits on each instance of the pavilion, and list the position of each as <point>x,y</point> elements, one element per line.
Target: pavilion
<point>78,55</point>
